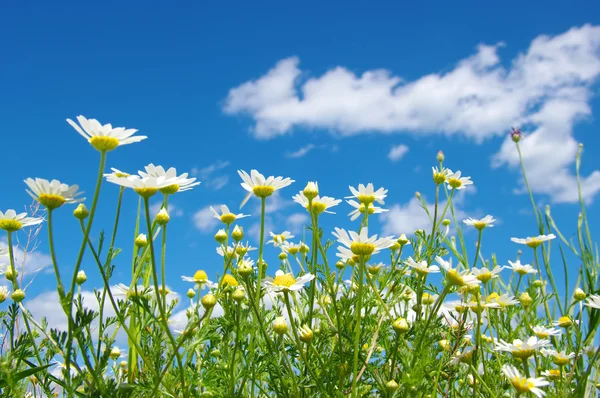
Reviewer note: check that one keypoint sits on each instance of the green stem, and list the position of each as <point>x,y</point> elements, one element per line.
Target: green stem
<point>260,248</point>
<point>357,322</point>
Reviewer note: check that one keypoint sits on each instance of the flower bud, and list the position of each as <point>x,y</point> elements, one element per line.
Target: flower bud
<point>427,299</point>
<point>81,212</point>
<point>3,293</point>
<point>11,273</point>
<point>238,233</point>
<point>18,295</point>
<point>537,283</point>
<point>244,269</point>
<point>440,156</point>
<point>445,222</point>
<point>374,269</point>
<point>403,240</point>
<point>162,218</point>
<point>280,325</point>
<point>238,295</point>
<point>221,236</point>
<point>282,256</point>
<point>401,326</point>
<point>516,135</point>
<point>525,300</point>
<point>141,240</point>
<point>81,278</point>
<point>391,386</point>
<point>304,249</point>
<point>311,190</point>
<point>306,334</point>
<point>340,264</point>
<point>208,301</point>
<point>443,345</point>
<point>191,293</point>
<point>564,322</point>
<point>115,353</point>
<point>579,294</point>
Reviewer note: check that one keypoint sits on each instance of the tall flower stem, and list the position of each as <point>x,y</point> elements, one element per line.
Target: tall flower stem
<point>260,248</point>
<point>478,248</point>
<point>357,319</point>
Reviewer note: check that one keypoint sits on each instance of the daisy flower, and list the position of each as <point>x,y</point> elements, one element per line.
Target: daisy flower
<point>242,250</point>
<point>533,242</point>
<point>485,275</point>
<point>520,349</point>
<point>278,239</point>
<point>486,221</point>
<point>116,173</point>
<point>359,209</point>
<point>593,301</point>
<point>360,244</point>
<point>286,282</point>
<point>179,183</point>
<point>504,301</point>
<point>261,187</point>
<point>319,204</point>
<point>542,332</point>
<point>227,217</point>
<point>143,186</point>
<point>455,276</point>
<point>552,374</point>
<point>230,251</point>
<point>52,194</point>
<point>565,322</point>
<point>104,137</point>
<point>521,269</point>
<point>123,290</point>
<point>558,358</point>
<point>367,194</point>
<point>523,384</point>
<point>455,181</point>
<point>199,278</point>
<point>11,221</point>
<point>421,267</point>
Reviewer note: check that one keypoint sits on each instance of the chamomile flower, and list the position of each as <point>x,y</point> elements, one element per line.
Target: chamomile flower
<point>535,241</point>
<point>521,269</point>
<point>143,186</point>
<point>116,173</point>
<point>359,209</point>
<point>261,187</point>
<point>593,301</point>
<point>558,358</point>
<point>278,239</point>
<point>286,282</point>
<point>53,194</point>
<point>485,275</point>
<point>367,194</point>
<point>227,217</point>
<point>122,290</point>
<point>487,221</point>
<point>360,244</point>
<point>521,349</point>
<point>318,205</point>
<point>229,251</point>
<point>104,137</point>
<point>542,332</point>
<point>504,300</point>
<point>455,276</point>
<point>421,267</point>
<point>523,384</point>
<point>11,221</point>
<point>199,278</point>
<point>178,183</point>
<point>455,181</point>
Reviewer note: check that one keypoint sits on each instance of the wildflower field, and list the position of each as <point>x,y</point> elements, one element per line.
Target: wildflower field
<point>342,313</point>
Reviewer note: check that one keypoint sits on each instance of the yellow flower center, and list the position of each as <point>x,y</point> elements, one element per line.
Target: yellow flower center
<point>455,183</point>
<point>427,299</point>
<point>228,218</point>
<point>522,384</point>
<point>492,297</point>
<point>122,175</point>
<point>263,191</point>
<point>564,322</point>
<point>10,225</point>
<point>228,280</point>
<point>523,353</point>
<point>146,192</point>
<point>460,308</point>
<point>200,276</point>
<point>439,177</point>
<point>542,335</point>
<point>370,208</point>
<point>170,189</point>
<point>103,143</point>
<point>51,201</point>
<point>293,250</point>
<point>560,360</point>
<point>485,277</point>
<point>533,243</point>
<point>480,225</point>
<point>362,249</point>
<point>553,374</point>
<point>286,280</point>
<point>318,207</point>
<point>366,200</point>
<point>521,271</point>
<point>454,278</point>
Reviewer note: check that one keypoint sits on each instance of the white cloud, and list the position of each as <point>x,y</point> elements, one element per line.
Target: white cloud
<point>300,152</point>
<point>546,88</point>
<point>397,152</point>
<point>208,177</point>
<point>218,182</point>
<point>296,221</point>
<point>174,211</point>
<point>204,219</point>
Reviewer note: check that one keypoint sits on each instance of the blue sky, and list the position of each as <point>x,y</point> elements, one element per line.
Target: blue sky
<point>239,86</point>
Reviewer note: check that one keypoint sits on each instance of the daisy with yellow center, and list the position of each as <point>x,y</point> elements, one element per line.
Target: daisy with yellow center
<point>226,217</point>
<point>552,374</point>
<point>52,194</point>
<point>318,204</point>
<point>143,186</point>
<point>123,290</point>
<point>542,332</point>
<point>486,221</point>
<point>503,301</point>
<point>522,384</point>
<point>564,322</point>
<point>359,209</point>
<point>558,358</point>
<point>455,276</point>
<point>178,183</point>
<point>279,239</point>
<point>229,281</point>
<point>10,221</point>
<point>533,242</point>
<point>286,282</point>
<point>421,267</point>
<point>199,278</point>
<point>485,275</point>
<point>367,194</point>
<point>440,175</point>
<point>521,269</point>
<point>360,244</point>
<point>521,350</point>
<point>455,181</point>
<point>256,184</point>
<point>104,138</point>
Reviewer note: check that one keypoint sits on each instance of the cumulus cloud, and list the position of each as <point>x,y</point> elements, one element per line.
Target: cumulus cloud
<point>397,152</point>
<point>546,88</point>
<point>208,175</point>
<point>204,219</point>
<point>296,221</point>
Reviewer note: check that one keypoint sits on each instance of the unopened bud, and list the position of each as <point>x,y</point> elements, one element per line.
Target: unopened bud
<point>18,295</point>
<point>238,295</point>
<point>81,212</point>
<point>280,325</point>
<point>401,326</point>
<point>141,240</point>
<point>525,300</point>
<point>162,218</point>
<point>579,294</point>
<point>81,278</point>
<point>306,334</point>
<point>221,236</point>
<point>238,233</point>
<point>440,156</point>
<point>311,190</point>
<point>191,293</point>
<point>115,353</point>
<point>208,301</point>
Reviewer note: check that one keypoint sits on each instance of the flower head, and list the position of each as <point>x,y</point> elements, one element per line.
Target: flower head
<point>485,275</point>
<point>279,239</point>
<point>359,209</point>
<point>516,134</point>
<point>367,194</point>
<point>542,332</point>
<point>199,278</point>
<point>486,221</point>
<point>143,186</point>
<point>455,181</point>
<point>177,183</point>
<point>520,349</point>
<point>227,217</point>
<point>593,301</point>
<point>52,194</point>
<point>261,187</point>
<point>533,242</point>
<point>360,244</point>
<point>455,276</point>
<point>318,204</point>
<point>523,384</point>
<point>104,137</point>
<point>521,269</point>
<point>421,267</point>
<point>11,221</point>
<point>558,358</point>
<point>286,282</point>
